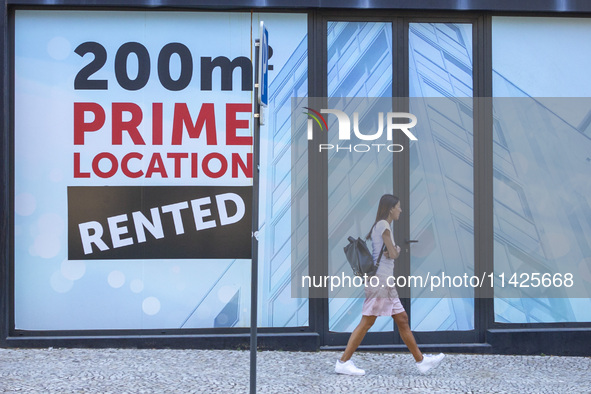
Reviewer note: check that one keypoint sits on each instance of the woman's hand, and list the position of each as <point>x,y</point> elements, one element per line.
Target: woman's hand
<point>397,253</point>
<point>387,254</point>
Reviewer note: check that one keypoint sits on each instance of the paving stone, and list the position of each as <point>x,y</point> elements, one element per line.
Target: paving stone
<point>226,371</point>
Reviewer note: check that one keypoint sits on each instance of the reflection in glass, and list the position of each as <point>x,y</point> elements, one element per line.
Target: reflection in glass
<point>441,169</point>
<point>542,205</point>
<point>359,65</point>
<point>277,307</point>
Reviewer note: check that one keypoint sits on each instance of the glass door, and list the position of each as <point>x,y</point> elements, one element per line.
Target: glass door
<point>436,189</point>
<point>441,180</point>
<point>359,64</point>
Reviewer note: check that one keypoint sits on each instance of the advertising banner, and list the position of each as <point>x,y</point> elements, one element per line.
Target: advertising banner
<point>133,166</point>
<point>179,229</point>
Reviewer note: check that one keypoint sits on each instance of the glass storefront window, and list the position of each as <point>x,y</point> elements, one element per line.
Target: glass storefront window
<point>359,65</point>
<point>542,214</point>
<point>441,169</point>
<point>53,292</point>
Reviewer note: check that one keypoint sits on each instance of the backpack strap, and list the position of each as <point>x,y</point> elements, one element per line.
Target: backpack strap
<point>380,257</point>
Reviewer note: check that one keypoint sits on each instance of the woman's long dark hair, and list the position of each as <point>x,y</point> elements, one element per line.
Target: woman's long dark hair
<point>387,202</point>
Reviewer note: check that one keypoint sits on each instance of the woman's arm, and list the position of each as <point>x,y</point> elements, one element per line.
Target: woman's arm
<point>393,251</point>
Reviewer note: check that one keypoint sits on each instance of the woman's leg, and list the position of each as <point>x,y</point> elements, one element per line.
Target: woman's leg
<point>357,336</point>
<point>401,320</point>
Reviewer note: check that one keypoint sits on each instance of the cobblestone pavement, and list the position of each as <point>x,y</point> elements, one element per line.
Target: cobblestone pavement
<point>227,371</point>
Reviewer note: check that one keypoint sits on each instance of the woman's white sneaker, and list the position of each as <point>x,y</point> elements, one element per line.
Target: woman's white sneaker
<point>348,368</point>
<point>429,362</point>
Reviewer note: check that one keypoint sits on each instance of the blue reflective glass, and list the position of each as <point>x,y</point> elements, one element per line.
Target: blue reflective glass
<point>276,306</point>
<point>441,169</point>
<point>541,196</point>
<point>359,65</point>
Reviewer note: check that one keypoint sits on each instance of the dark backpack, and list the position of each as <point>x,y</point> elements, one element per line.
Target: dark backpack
<point>360,258</point>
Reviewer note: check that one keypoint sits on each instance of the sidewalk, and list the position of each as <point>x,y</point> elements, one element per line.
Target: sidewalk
<point>227,371</point>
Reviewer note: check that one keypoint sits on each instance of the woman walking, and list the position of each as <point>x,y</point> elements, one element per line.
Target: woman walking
<point>382,300</point>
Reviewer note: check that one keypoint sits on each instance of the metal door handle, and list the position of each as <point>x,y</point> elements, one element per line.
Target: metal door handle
<point>409,241</point>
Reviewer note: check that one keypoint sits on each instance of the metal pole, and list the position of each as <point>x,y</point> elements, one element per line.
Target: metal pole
<point>255,227</point>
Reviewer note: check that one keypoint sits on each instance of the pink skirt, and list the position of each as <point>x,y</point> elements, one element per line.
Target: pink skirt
<point>382,307</point>
<point>382,300</point>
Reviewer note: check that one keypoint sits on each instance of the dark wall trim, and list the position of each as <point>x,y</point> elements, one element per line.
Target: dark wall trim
<point>129,333</point>
<point>400,173</point>
<point>266,341</point>
<point>531,341</point>
<point>5,294</point>
<point>483,173</point>
<point>315,182</point>
<point>318,176</point>
<point>423,5</point>
<point>563,342</point>
<point>472,348</point>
